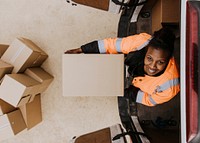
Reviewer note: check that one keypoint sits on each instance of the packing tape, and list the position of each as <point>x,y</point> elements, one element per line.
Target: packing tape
<point>16,54</point>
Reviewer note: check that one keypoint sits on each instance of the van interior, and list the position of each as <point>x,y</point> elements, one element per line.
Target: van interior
<point>162,122</point>
<point>178,119</point>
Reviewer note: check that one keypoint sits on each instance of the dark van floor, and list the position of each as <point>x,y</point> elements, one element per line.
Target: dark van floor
<point>162,122</point>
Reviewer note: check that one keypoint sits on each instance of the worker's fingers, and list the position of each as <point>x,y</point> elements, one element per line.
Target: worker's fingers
<point>74,51</point>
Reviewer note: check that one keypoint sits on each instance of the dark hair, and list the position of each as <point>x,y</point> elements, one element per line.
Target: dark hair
<point>163,39</point>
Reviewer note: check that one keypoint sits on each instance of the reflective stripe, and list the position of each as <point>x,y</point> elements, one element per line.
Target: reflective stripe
<point>144,44</point>
<point>167,85</point>
<point>151,100</point>
<point>118,45</point>
<point>101,46</point>
<point>140,95</point>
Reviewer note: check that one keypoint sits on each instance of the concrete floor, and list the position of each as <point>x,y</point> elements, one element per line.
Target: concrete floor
<point>56,26</point>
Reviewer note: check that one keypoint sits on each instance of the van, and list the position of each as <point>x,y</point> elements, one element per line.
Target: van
<point>176,121</point>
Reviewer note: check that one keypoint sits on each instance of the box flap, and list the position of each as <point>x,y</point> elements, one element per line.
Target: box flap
<point>3,65</point>
<point>5,107</point>
<point>3,48</point>
<point>38,74</point>
<point>17,121</point>
<point>24,79</point>
<point>24,100</point>
<point>5,68</point>
<point>32,112</point>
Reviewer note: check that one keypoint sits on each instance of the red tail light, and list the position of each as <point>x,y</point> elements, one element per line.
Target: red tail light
<point>192,70</point>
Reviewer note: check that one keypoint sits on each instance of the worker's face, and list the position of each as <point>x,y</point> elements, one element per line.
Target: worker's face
<point>155,61</point>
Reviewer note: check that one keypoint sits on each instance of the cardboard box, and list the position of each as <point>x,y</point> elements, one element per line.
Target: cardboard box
<point>93,74</point>
<point>11,124</point>
<point>41,58</point>
<point>31,98</point>
<point>104,135</point>
<point>16,89</point>
<point>23,53</point>
<point>41,76</point>
<point>5,68</point>
<point>32,112</point>
<point>165,12</point>
<point>3,48</point>
<point>5,107</point>
<point>100,4</point>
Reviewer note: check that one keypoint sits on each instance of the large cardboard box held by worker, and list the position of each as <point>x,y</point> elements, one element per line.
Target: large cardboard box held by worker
<point>5,107</point>
<point>23,53</point>
<point>165,12</point>
<point>93,74</point>
<point>17,89</point>
<point>3,48</point>
<point>11,124</point>
<point>5,68</point>
<point>41,76</point>
<point>32,112</point>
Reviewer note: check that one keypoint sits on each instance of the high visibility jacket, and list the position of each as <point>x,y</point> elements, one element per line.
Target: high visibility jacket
<point>159,89</point>
<point>153,89</point>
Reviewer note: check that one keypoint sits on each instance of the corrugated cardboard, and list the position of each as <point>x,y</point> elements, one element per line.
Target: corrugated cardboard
<point>5,107</point>
<point>11,124</point>
<point>43,56</point>
<point>31,98</point>
<point>24,100</point>
<point>165,12</point>
<point>93,74</point>
<point>23,53</point>
<point>41,76</point>
<point>100,4</point>
<point>16,89</point>
<point>3,48</point>
<point>32,112</point>
<point>5,68</point>
<point>104,135</point>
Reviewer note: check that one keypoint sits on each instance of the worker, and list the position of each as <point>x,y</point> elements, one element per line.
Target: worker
<point>155,77</point>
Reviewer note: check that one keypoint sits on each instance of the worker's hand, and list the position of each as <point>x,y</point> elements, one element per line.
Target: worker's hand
<point>74,51</point>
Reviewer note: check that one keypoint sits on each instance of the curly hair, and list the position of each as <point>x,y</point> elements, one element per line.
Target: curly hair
<point>163,39</point>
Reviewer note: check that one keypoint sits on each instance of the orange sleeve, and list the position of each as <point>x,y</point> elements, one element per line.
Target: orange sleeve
<point>123,45</point>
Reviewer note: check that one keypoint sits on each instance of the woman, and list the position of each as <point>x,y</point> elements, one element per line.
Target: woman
<point>151,64</point>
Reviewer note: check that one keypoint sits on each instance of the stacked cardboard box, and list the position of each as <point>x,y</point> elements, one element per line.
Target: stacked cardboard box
<point>165,12</point>
<point>22,82</point>
<point>3,48</point>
